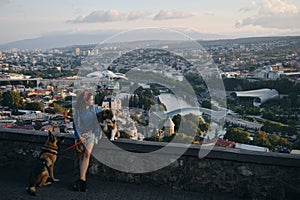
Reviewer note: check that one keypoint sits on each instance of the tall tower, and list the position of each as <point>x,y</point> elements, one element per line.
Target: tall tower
<point>169,127</point>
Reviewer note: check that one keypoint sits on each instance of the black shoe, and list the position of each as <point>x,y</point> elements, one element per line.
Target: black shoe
<point>76,186</point>
<point>83,186</point>
<point>80,186</point>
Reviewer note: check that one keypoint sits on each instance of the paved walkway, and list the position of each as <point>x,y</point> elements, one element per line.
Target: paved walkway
<point>14,181</point>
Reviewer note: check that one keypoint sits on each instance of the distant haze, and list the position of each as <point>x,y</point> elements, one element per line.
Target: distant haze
<point>96,37</point>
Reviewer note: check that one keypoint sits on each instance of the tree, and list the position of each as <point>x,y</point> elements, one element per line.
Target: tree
<point>251,110</point>
<point>13,100</point>
<point>148,93</point>
<point>133,101</point>
<point>261,139</point>
<point>58,108</point>
<point>237,135</point>
<point>162,107</point>
<point>203,126</point>
<point>99,97</point>
<point>279,128</point>
<point>180,138</point>
<point>139,91</point>
<point>155,89</point>
<point>284,142</point>
<point>155,138</point>
<point>269,114</point>
<point>177,120</point>
<point>206,104</point>
<point>34,106</point>
<point>190,124</point>
<point>189,128</point>
<point>296,145</point>
<point>41,85</point>
<point>277,140</point>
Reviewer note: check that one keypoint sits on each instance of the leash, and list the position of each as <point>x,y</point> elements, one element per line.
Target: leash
<point>71,147</point>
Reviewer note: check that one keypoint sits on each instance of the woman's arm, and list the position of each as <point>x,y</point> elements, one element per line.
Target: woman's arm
<point>97,109</point>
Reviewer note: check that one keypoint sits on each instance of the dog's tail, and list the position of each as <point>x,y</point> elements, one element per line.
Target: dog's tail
<point>31,190</point>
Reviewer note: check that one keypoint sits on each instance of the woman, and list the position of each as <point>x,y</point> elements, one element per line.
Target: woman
<point>86,129</point>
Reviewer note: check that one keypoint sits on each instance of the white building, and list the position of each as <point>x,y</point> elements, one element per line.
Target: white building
<point>112,102</point>
<point>268,72</point>
<point>251,147</point>
<point>169,127</point>
<point>259,96</point>
<point>77,51</point>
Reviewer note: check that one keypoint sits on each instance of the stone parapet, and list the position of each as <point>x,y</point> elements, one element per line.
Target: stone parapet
<point>230,172</point>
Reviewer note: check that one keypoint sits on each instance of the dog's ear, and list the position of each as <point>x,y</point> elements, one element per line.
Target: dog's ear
<point>51,136</point>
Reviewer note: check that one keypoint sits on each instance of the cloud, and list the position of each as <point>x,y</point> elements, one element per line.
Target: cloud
<point>244,22</point>
<point>277,14</point>
<point>246,9</point>
<point>135,15</point>
<point>165,15</point>
<point>100,16</point>
<point>111,15</point>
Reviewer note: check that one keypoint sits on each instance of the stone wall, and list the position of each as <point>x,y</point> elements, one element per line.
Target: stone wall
<point>233,173</point>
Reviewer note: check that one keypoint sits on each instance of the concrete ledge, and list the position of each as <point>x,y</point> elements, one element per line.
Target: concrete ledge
<point>212,152</point>
<point>239,155</point>
<point>240,173</point>
<point>28,135</point>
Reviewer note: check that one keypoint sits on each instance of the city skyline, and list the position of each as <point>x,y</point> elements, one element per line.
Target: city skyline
<point>31,19</point>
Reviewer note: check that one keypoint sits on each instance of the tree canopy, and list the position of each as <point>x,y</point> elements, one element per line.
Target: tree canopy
<point>261,139</point>
<point>34,106</point>
<point>237,135</point>
<point>13,100</point>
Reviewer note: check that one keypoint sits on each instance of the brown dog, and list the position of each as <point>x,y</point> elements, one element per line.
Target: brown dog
<point>44,168</point>
<point>108,124</point>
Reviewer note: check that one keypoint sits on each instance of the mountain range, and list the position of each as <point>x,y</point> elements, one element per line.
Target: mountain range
<point>57,40</point>
<point>66,39</point>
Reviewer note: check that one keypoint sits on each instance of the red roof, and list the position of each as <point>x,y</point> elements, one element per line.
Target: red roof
<point>6,125</point>
<point>220,143</point>
<point>225,143</point>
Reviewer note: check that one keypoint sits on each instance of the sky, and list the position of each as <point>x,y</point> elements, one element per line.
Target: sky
<point>26,19</point>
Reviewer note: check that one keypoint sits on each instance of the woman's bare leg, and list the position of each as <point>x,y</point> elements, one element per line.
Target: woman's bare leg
<point>85,160</point>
